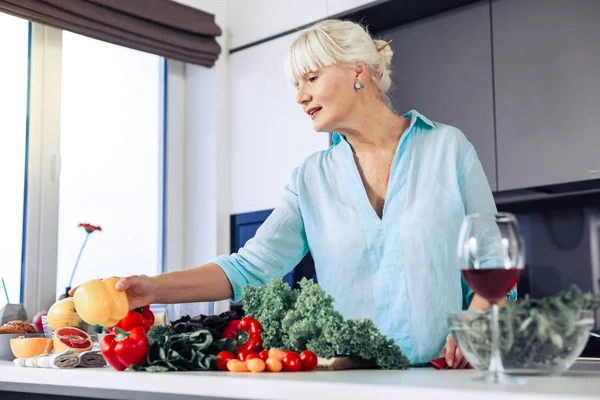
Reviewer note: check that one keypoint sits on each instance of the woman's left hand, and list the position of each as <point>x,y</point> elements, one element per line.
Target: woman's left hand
<point>454,357</point>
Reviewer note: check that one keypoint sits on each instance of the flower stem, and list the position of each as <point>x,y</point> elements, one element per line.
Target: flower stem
<point>78,257</point>
<point>5,291</point>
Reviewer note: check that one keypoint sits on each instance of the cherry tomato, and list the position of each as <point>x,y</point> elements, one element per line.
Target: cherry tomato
<point>224,356</point>
<point>264,355</point>
<point>291,362</point>
<point>245,355</point>
<point>309,360</point>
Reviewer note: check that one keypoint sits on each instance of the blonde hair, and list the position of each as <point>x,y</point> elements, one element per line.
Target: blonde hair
<point>340,42</point>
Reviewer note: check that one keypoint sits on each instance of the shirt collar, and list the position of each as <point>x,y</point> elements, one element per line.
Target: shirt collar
<point>414,115</point>
<point>337,138</point>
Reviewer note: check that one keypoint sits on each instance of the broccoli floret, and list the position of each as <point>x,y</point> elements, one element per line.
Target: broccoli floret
<point>308,320</point>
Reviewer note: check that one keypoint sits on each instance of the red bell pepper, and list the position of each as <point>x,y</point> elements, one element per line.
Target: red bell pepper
<point>125,348</point>
<point>133,319</point>
<point>438,363</point>
<point>148,314</point>
<point>246,332</point>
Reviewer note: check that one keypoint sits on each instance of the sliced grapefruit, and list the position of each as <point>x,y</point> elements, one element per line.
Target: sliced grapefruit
<point>30,347</point>
<point>72,338</point>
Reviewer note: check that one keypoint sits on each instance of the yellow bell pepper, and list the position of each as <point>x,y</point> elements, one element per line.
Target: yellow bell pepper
<point>99,302</point>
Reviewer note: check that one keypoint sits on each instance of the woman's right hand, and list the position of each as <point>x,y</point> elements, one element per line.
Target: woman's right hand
<point>140,290</point>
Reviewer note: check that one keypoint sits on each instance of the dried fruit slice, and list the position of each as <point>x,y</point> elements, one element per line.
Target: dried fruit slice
<point>72,338</point>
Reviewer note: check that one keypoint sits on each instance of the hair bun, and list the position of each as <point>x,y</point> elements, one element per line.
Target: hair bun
<point>384,50</point>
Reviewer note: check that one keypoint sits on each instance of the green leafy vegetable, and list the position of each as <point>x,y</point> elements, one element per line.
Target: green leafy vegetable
<point>306,319</point>
<point>171,351</point>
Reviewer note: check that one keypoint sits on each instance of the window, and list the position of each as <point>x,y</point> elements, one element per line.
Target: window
<point>82,140</point>
<point>111,163</point>
<point>14,48</point>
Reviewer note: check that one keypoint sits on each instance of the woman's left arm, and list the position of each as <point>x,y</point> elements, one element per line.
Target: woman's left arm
<point>477,198</point>
<point>479,303</point>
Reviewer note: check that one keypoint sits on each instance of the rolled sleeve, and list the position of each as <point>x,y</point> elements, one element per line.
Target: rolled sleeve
<point>474,187</point>
<point>278,246</point>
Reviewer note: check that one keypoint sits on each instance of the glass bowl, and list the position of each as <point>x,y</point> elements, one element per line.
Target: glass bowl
<point>534,344</point>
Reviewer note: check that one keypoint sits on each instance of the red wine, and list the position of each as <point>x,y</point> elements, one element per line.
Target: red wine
<point>492,283</point>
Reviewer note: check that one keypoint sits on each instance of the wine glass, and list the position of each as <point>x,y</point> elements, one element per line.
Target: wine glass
<point>491,258</point>
<point>173,312</point>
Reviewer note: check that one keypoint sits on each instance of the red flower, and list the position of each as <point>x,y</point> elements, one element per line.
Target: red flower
<point>89,228</point>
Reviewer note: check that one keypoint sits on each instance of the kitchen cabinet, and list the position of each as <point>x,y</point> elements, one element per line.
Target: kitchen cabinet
<point>442,68</point>
<point>547,83</point>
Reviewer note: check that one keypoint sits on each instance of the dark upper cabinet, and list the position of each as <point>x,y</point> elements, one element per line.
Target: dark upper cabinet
<point>547,81</point>
<point>443,69</point>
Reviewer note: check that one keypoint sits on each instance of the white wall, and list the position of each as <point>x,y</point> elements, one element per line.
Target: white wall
<point>259,133</point>
<point>252,20</point>
<point>206,195</point>
<point>337,6</point>
<point>270,134</point>
<point>206,205</point>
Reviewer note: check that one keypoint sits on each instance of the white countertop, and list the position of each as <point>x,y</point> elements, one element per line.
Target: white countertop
<point>357,384</point>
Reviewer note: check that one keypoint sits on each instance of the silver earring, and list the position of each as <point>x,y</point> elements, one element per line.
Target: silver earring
<point>358,85</point>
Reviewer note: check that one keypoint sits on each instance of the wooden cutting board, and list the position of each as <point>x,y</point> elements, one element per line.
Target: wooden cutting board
<point>342,363</point>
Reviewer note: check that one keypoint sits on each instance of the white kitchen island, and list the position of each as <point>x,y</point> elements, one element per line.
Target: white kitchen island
<point>421,384</point>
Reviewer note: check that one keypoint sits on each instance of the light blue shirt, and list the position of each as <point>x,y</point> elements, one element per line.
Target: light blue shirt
<point>401,270</point>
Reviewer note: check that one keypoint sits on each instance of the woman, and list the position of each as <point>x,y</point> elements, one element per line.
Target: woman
<point>379,210</point>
